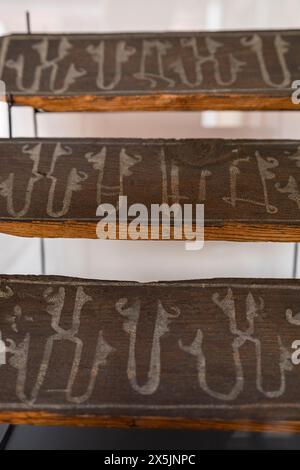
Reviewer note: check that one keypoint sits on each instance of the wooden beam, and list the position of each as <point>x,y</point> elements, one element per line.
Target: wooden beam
<point>152,71</point>
<point>216,353</point>
<point>52,188</point>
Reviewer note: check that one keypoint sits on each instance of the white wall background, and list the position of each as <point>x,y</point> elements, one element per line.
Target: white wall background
<point>148,260</point>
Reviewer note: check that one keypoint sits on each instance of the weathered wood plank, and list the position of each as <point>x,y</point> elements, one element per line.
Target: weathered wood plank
<point>152,71</point>
<point>249,189</point>
<point>211,353</point>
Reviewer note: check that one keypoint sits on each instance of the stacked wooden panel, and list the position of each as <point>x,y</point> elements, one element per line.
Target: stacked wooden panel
<point>216,353</point>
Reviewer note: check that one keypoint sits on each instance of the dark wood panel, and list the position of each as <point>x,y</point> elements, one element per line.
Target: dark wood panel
<point>208,353</point>
<point>53,187</point>
<point>152,71</point>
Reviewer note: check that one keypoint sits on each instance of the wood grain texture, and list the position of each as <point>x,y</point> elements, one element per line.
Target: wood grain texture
<point>212,353</point>
<point>52,188</point>
<point>152,71</point>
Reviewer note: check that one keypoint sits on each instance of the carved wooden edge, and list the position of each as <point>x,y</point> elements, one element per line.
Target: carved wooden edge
<point>159,102</point>
<point>239,232</point>
<point>40,418</point>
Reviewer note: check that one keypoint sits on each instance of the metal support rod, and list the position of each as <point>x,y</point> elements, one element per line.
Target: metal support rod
<point>6,430</point>
<point>35,122</point>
